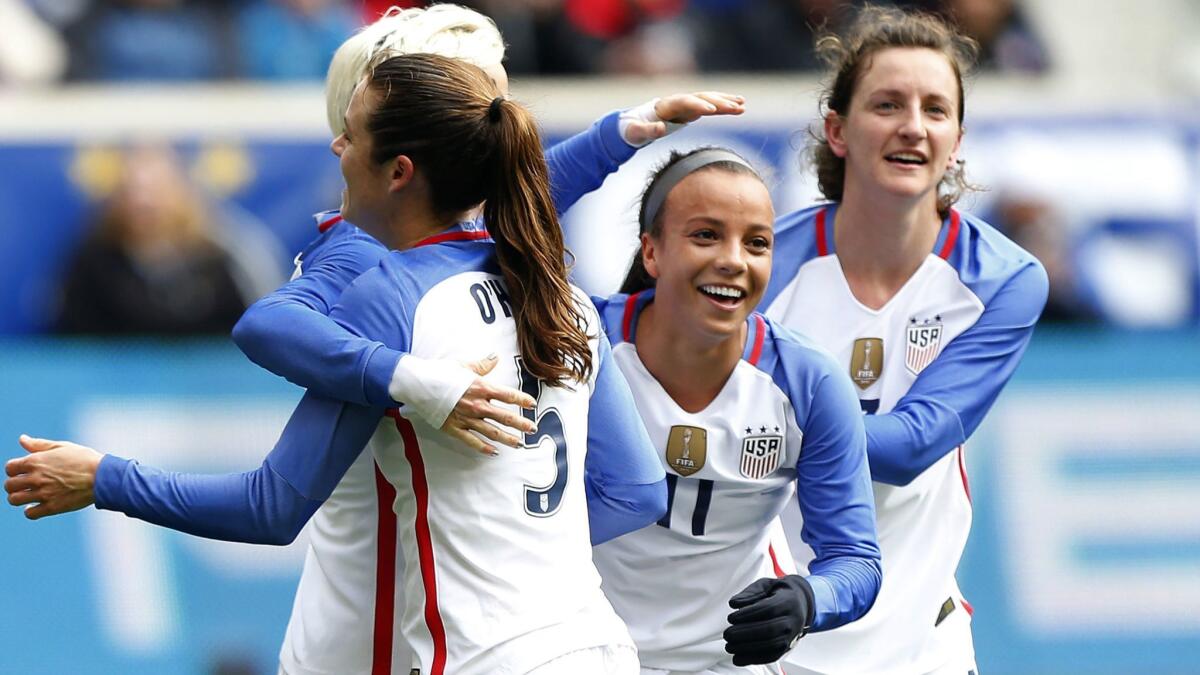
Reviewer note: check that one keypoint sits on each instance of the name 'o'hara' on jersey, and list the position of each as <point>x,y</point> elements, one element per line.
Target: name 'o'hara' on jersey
<point>786,422</point>
<point>499,575</point>
<point>927,366</point>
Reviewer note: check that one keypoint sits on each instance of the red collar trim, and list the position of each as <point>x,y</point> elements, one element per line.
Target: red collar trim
<point>951,236</point>
<point>457,235</point>
<point>326,224</point>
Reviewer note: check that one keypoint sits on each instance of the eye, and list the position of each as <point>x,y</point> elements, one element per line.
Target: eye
<point>938,110</point>
<point>705,234</point>
<point>886,106</point>
<point>759,244</point>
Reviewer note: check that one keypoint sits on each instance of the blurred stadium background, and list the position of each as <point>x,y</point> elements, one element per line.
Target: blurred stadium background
<point>158,124</point>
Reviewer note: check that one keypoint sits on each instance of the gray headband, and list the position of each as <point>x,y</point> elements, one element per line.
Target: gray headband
<point>680,170</point>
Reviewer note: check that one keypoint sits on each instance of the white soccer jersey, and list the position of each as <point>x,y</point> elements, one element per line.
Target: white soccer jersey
<point>731,468</point>
<point>499,576</point>
<point>342,619</point>
<point>933,357</point>
<point>343,615</point>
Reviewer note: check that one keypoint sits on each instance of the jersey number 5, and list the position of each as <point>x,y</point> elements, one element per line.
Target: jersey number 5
<point>542,501</point>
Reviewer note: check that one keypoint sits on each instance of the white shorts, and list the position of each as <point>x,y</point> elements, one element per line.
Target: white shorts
<point>606,660</point>
<point>722,669</point>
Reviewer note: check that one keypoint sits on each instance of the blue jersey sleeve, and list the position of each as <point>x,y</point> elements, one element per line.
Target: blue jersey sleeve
<point>624,480</point>
<point>290,334</point>
<point>580,164</point>
<point>950,397</point>
<point>833,486</point>
<point>268,505</point>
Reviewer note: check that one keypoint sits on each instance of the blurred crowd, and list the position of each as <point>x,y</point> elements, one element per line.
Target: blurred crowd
<point>48,41</point>
<point>156,257</point>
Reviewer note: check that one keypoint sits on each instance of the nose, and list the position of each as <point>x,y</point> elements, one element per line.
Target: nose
<point>732,257</point>
<point>913,127</point>
<point>337,145</point>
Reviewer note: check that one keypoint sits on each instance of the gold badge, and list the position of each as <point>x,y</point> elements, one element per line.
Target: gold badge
<point>866,363</point>
<point>686,448</point>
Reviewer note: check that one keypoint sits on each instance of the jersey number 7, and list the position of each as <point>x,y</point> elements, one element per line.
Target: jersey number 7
<point>542,501</point>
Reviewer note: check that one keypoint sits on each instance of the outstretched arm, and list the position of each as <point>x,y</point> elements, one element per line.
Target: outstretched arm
<point>950,397</point>
<point>268,505</point>
<point>580,164</point>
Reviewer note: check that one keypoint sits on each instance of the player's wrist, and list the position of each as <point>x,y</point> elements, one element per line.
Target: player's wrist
<point>638,116</point>
<point>806,599</point>
<point>430,387</point>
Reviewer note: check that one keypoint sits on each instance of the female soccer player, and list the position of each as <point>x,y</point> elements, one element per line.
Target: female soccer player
<point>741,412</point>
<point>927,309</point>
<point>500,575</point>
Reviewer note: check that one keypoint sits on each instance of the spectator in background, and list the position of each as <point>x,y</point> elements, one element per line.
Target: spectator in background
<point>1034,224</point>
<point>763,35</point>
<point>1007,43</point>
<point>170,40</point>
<point>291,39</point>
<point>150,265</point>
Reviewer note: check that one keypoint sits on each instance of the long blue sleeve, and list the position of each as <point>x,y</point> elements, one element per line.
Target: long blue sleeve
<point>838,506</point>
<point>833,482</point>
<point>624,480</point>
<point>580,164</point>
<point>950,397</point>
<point>269,505</point>
<point>289,333</point>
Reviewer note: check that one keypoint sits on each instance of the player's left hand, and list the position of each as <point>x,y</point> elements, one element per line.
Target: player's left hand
<point>657,118</point>
<point>56,477</point>
<point>772,614</point>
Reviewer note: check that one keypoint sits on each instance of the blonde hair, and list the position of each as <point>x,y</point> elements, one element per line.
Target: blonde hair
<point>448,30</point>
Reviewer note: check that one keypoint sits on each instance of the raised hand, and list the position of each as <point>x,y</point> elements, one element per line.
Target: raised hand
<point>657,118</point>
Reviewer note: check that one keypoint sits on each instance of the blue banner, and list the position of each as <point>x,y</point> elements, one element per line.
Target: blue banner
<point>1083,558</point>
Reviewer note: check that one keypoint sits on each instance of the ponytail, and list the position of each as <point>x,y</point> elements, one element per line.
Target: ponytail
<point>476,147</point>
<point>521,218</point>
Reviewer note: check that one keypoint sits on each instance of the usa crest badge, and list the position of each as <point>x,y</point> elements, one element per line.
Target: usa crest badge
<point>924,338</point>
<point>761,455</point>
<point>866,361</point>
<point>687,448</point>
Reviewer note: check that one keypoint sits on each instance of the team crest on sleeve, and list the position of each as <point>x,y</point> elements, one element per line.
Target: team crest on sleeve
<point>866,361</point>
<point>924,337</point>
<point>687,448</point>
<point>761,453</point>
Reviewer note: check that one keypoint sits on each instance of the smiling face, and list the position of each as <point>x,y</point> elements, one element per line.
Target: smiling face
<point>901,132</point>
<point>712,256</point>
<point>364,198</point>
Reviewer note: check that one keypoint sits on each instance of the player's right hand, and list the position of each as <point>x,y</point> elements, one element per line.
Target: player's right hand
<point>476,420</point>
<point>55,477</point>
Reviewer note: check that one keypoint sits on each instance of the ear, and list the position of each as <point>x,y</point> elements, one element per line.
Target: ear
<point>401,173</point>
<point>952,162</point>
<point>650,255</point>
<point>835,133</point>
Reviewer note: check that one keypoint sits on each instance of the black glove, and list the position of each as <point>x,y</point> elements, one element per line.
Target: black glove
<point>771,615</point>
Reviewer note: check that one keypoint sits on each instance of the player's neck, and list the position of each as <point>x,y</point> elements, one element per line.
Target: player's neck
<point>410,223</point>
<point>881,243</point>
<point>692,369</point>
